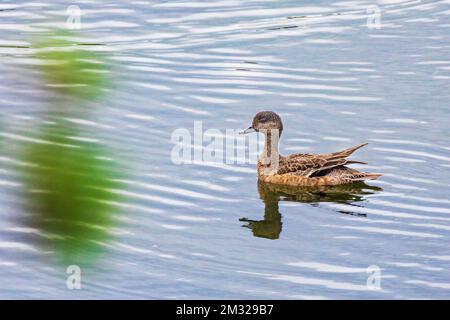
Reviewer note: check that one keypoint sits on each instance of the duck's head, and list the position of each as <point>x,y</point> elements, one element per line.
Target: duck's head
<point>265,121</point>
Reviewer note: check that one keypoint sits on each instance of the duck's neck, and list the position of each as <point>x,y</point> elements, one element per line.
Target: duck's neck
<point>269,157</point>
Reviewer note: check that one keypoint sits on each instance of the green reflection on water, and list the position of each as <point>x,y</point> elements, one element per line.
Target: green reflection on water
<point>71,68</point>
<point>67,180</point>
<point>68,185</point>
<point>271,194</point>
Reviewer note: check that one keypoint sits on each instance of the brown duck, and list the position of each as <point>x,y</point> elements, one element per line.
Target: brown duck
<point>301,170</point>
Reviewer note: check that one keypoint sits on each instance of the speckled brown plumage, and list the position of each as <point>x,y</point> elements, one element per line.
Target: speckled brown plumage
<point>303,170</point>
<point>330,177</point>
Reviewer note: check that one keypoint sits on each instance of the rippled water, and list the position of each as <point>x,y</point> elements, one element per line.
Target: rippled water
<point>334,81</point>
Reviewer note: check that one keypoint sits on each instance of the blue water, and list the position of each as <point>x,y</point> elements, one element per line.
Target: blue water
<point>334,81</point>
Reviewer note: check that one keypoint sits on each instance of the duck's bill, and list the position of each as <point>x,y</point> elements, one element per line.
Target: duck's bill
<point>248,130</point>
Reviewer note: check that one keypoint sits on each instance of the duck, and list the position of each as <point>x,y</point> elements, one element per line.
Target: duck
<point>302,170</point>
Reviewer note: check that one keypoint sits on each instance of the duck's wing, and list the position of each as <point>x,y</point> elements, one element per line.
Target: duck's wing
<point>309,165</point>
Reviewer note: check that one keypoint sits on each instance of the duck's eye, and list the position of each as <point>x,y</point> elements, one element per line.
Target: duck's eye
<point>263,119</point>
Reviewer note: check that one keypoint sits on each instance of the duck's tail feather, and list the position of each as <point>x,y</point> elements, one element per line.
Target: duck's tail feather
<point>347,152</point>
<point>366,176</point>
<point>354,161</point>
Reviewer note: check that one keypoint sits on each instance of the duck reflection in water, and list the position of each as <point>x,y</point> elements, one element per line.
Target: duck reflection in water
<point>271,194</point>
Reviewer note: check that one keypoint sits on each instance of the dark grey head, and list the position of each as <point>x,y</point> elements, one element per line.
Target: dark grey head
<point>265,121</point>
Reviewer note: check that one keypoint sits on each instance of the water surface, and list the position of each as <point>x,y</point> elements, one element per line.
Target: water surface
<point>209,230</point>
